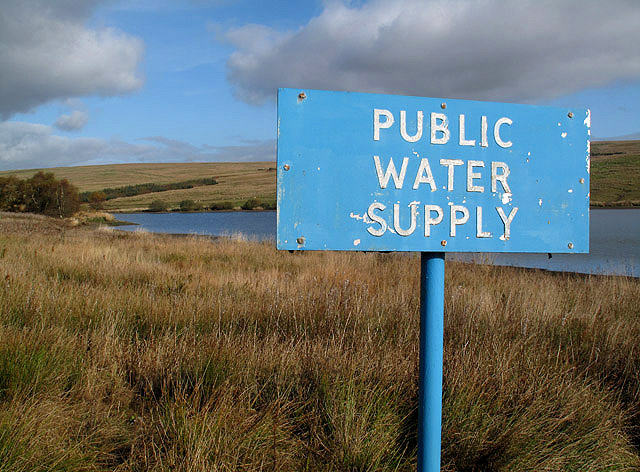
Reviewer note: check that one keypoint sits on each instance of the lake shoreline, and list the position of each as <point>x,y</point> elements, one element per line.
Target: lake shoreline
<point>610,252</point>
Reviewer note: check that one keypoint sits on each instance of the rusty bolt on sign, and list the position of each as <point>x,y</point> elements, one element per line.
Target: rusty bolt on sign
<point>286,167</point>
<point>570,114</point>
<point>302,95</point>
<point>443,243</point>
<point>300,240</point>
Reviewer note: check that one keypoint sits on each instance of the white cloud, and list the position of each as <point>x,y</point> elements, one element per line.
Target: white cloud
<point>27,146</point>
<point>489,49</point>
<point>47,53</point>
<point>73,122</point>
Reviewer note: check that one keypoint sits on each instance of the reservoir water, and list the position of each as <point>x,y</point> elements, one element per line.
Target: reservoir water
<point>614,238</point>
<point>260,225</point>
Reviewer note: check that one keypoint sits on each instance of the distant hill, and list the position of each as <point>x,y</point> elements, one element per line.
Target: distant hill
<point>615,179</point>
<point>237,181</point>
<point>626,137</point>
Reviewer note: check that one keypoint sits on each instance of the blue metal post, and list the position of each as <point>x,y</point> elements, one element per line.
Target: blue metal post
<point>431,340</point>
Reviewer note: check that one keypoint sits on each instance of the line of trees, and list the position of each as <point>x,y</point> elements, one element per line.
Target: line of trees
<point>42,193</point>
<point>140,189</point>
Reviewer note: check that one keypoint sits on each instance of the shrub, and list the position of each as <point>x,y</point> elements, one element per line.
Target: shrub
<point>269,205</point>
<point>187,205</point>
<point>12,193</point>
<point>251,204</point>
<point>221,206</point>
<point>158,205</point>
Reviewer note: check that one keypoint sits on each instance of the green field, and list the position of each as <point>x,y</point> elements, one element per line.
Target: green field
<point>141,352</point>
<point>615,179</point>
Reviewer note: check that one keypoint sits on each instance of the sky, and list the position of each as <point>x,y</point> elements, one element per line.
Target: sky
<point>87,82</point>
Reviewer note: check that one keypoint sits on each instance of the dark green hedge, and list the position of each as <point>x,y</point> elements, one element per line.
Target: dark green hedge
<point>140,189</point>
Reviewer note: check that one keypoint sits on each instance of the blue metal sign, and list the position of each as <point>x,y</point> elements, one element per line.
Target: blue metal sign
<point>371,172</point>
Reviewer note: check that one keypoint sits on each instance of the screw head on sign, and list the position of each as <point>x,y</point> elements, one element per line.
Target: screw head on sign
<point>581,181</point>
<point>570,245</point>
<point>443,243</point>
<point>443,105</point>
<point>570,114</point>
<point>300,240</point>
<point>286,167</point>
<point>302,95</point>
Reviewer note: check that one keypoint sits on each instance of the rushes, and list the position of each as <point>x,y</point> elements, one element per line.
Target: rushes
<point>143,352</point>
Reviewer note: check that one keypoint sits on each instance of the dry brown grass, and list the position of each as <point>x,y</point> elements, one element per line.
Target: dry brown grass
<point>142,352</point>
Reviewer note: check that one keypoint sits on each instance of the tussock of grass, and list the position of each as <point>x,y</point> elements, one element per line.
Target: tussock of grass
<point>144,352</point>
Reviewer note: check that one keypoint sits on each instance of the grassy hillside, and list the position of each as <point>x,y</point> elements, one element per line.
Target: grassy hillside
<point>135,352</point>
<point>615,173</point>
<point>237,181</point>
<point>615,179</point>
<point>89,178</point>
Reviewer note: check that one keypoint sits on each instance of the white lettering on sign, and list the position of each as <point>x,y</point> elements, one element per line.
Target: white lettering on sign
<point>377,125</point>
<point>455,221</point>
<point>507,221</point>
<point>403,127</point>
<point>459,215</point>
<point>439,123</point>
<point>391,172</point>
<point>396,219</point>
<point>463,141</point>
<point>450,163</point>
<point>471,175</point>
<point>440,133</point>
<point>483,132</point>
<point>495,177</point>
<point>424,175</point>
<point>428,221</point>
<point>402,219</point>
<point>496,132</point>
<point>378,219</point>
<point>479,232</point>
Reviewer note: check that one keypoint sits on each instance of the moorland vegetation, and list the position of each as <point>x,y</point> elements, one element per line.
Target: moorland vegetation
<point>134,351</point>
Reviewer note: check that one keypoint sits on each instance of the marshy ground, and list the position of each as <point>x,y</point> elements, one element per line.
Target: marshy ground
<point>132,351</point>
